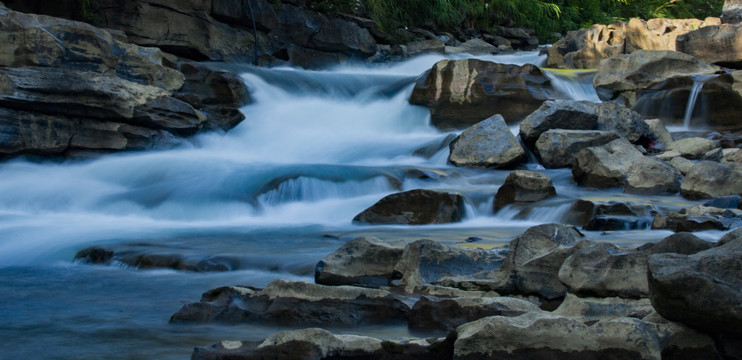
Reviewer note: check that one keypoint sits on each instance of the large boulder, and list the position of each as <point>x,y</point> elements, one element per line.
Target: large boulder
<point>414,207</point>
<point>365,261</point>
<point>703,290</point>
<point>681,342</point>
<point>586,47</point>
<point>731,13</point>
<point>660,33</point>
<point>295,302</point>
<point>718,44</point>
<point>558,114</point>
<point>605,166</point>
<point>651,176</point>
<point>488,143</point>
<point>628,124</point>
<point>708,179</point>
<point>540,335</point>
<point>448,313</point>
<point>523,186</point>
<point>556,148</point>
<point>463,92</point>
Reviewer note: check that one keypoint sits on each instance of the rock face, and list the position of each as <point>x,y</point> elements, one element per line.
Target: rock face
<point>427,261</point>
<point>414,207</point>
<point>652,177</point>
<point>605,166</point>
<point>524,186</point>
<point>584,48</point>
<point>707,179</point>
<point>463,92</point>
<point>719,44</point>
<point>661,34</point>
<point>557,148</point>
<point>364,261</point>
<point>700,290</point>
<point>487,144</point>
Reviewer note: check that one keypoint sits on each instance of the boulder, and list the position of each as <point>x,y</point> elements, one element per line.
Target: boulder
<point>684,223</point>
<point>474,47</point>
<point>540,335</point>
<point>463,92</point>
<point>610,215</point>
<point>448,313</point>
<point>681,243</point>
<point>623,121</point>
<point>703,290</point>
<point>660,33</point>
<point>682,164</point>
<point>681,342</point>
<point>364,261</point>
<point>420,47</point>
<point>707,179</point>
<point>692,148</point>
<point>730,236</point>
<point>524,186</point>
<point>414,207</point>
<point>427,261</point>
<point>295,302</point>
<point>605,166</point>
<point>622,76</point>
<point>660,132</point>
<point>718,44</point>
<point>338,35</point>
<point>591,309</point>
<point>584,48</point>
<point>558,114</point>
<point>650,176</point>
<point>556,148</point>
<point>489,144</point>
<point>147,259</point>
<point>731,13</point>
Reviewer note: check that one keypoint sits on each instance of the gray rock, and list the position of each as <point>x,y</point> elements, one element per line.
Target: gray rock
<point>605,166</point>
<point>692,148</point>
<point>730,236</point>
<point>681,342</point>
<point>628,124</point>
<point>474,47</point>
<point>682,164</point>
<point>650,176</point>
<point>657,127</point>
<point>716,44</point>
<point>427,261</point>
<point>420,47</point>
<point>414,207</point>
<point>680,243</point>
<point>558,114</point>
<point>489,143</point>
<point>556,148</point>
<point>590,309</point>
<point>707,179</point>
<point>364,261</point>
<point>524,186</point>
<point>731,13</point>
<point>448,313</point>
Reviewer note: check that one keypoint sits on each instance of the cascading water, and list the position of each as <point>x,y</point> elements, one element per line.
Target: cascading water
<point>277,193</point>
<point>698,82</point>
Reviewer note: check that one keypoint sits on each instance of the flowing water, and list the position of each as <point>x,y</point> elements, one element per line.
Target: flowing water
<point>278,192</point>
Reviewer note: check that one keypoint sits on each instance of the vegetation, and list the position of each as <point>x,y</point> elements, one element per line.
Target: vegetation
<point>85,10</point>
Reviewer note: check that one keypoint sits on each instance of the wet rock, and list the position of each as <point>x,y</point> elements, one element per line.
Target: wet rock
<point>611,215</point>
<point>659,33</point>
<point>591,309</point>
<point>489,144</point>
<point>448,313</point>
<point>718,44</point>
<point>725,202</point>
<point>420,47</point>
<point>681,342</point>
<point>556,148</point>
<point>692,148</point>
<point>338,35</point>
<point>708,179</point>
<point>650,176</point>
<point>24,131</point>
<point>730,236</point>
<point>683,223</point>
<point>427,261</point>
<point>605,166</point>
<point>680,243</point>
<point>524,186</point>
<point>544,335</point>
<point>623,121</point>
<point>558,114</point>
<point>429,150</point>
<point>308,58</point>
<point>701,290</point>
<point>682,164</point>
<point>295,303</point>
<point>474,47</point>
<point>414,207</point>
<point>463,92</point>
<point>584,48</point>
<point>364,261</point>
<point>147,259</point>
<point>661,134</point>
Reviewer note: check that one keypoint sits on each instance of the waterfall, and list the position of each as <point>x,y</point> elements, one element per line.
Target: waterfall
<point>694,91</point>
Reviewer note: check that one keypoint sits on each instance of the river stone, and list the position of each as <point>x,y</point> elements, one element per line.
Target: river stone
<point>623,121</point>
<point>448,313</point>
<point>682,164</point>
<point>524,186</point>
<point>364,261</point>
<point>556,148</point>
<point>650,176</point>
<point>294,302</point>
<point>680,243</point>
<point>489,144</point>
<point>683,223</point>
<point>558,114</point>
<point>427,261</point>
<point>730,236</point>
<point>540,335</point>
<point>145,257</point>
<point>474,47</point>
<point>707,179</point>
<point>661,134</point>
<point>605,166</point>
<point>463,92</point>
<point>692,148</point>
<point>591,309</point>
<point>603,270</point>
<point>414,207</point>
<point>718,44</point>
<point>681,342</point>
<point>612,215</point>
<point>703,290</point>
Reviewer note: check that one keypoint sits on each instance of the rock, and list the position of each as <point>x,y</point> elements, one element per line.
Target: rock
<point>144,257</point>
<point>23,132</point>
<point>556,148</point>
<point>558,114</point>
<point>590,309</point>
<point>623,121</point>
<point>680,243</point>
<point>730,236</point>
<point>622,76</point>
<point>660,33</point>
<point>661,134</point>
<point>414,207</point>
<point>295,303</point>
<point>542,335</point>
<point>337,35</point>
<point>441,313</point>
<point>605,166</point>
<point>474,47</point>
<point>703,290</point>
<point>524,186</point>
<point>725,202</point>
<point>718,44</point>
<point>415,48</point>
<point>314,59</point>
<point>681,342</point>
<point>692,148</point>
<point>584,48</point>
<point>610,216</point>
<point>427,261</point>
<point>463,92</point>
<point>364,261</point>
<point>684,223</point>
<point>487,144</point>
<point>707,179</point>
<point>602,270</point>
<point>433,147</point>
<point>651,176</point>
<point>731,12</point>
<point>170,114</point>
<point>682,164</point>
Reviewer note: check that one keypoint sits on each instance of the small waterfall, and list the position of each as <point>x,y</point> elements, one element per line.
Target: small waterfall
<point>573,84</point>
<point>694,91</point>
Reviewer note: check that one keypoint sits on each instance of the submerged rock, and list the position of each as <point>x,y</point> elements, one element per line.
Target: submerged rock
<point>524,186</point>
<point>414,207</point>
<point>488,144</point>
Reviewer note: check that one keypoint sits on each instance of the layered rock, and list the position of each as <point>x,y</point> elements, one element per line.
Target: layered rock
<point>463,92</point>
<point>489,144</point>
<point>523,186</point>
<point>414,207</point>
<point>605,166</point>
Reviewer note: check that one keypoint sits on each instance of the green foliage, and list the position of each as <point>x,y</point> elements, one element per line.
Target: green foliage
<point>85,10</point>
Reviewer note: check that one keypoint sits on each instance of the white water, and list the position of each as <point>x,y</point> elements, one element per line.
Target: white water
<point>698,82</point>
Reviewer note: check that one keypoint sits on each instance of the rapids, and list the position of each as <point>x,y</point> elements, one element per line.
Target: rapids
<point>279,191</point>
